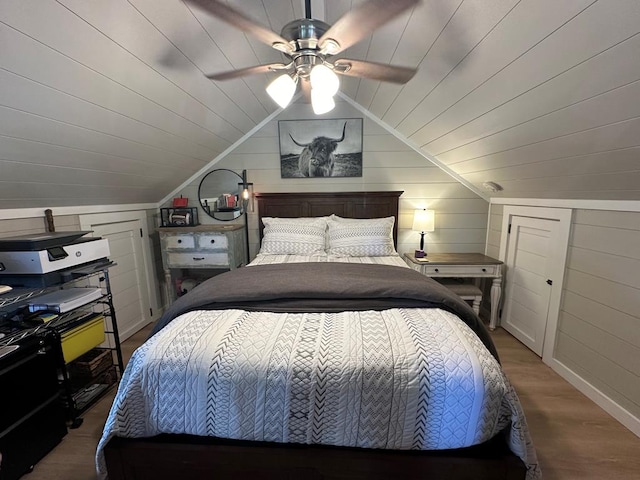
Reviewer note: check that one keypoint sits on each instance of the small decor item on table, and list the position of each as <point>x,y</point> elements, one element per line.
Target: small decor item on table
<point>423,221</point>
<point>226,202</point>
<point>179,217</point>
<point>227,206</point>
<point>185,285</point>
<point>180,202</point>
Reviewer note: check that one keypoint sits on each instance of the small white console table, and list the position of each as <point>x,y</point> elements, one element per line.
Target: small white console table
<point>201,247</point>
<point>463,265</point>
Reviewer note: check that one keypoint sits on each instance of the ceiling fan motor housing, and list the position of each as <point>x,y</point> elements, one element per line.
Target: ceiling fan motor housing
<point>304,33</point>
<point>305,60</point>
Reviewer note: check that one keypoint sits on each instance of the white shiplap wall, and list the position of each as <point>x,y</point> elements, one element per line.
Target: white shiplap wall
<point>530,112</point>
<point>388,164</point>
<point>599,325</point>
<point>106,102</point>
<point>32,225</point>
<point>494,233</point>
<point>598,338</point>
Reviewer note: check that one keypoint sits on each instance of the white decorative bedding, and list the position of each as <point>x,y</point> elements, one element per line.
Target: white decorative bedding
<point>396,379</point>
<point>267,259</point>
<point>391,378</point>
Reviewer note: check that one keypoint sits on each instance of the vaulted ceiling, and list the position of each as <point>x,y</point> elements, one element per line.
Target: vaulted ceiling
<point>105,101</point>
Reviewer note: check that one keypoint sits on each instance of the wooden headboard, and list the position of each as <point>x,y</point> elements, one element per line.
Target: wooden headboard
<point>343,204</point>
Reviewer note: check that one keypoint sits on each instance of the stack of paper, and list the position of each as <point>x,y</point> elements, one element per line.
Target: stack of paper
<point>65,300</point>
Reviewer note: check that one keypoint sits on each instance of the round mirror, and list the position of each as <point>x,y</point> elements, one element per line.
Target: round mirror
<point>220,194</point>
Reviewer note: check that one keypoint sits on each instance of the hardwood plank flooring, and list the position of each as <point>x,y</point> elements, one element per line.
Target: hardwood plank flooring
<point>574,438</point>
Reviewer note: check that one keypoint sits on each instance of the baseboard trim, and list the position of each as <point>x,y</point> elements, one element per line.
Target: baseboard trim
<point>605,402</point>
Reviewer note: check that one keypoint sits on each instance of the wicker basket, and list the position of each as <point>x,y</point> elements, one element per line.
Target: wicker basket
<point>90,365</point>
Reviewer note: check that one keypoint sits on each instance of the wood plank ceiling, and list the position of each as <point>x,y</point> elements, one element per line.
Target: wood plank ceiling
<point>105,102</point>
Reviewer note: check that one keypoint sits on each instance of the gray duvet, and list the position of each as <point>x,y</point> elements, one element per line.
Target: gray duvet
<point>324,287</point>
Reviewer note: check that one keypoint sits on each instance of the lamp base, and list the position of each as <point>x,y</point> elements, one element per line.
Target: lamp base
<point>420,254</point>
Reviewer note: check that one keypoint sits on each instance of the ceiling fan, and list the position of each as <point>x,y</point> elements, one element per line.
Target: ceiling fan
<point>309,45</point>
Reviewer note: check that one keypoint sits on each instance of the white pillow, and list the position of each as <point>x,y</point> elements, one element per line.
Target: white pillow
<point>371,237</point>
<point>294,236</point>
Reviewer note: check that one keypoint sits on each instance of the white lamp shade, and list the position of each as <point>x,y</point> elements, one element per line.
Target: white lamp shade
<point>324,80</point>
<point>321,102</point>
<point>282,89</point>
<point>424,220</point>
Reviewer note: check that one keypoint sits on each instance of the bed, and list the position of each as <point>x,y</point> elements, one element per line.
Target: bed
<point>300,366</point>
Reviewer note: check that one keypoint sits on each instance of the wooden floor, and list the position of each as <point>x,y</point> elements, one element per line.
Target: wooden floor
<point>574,438</point>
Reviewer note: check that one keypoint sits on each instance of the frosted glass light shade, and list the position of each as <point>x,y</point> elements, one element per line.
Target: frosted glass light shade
<point>424,220</point>
<point>324,80</point>
<point>247,197</point>
<point>321,102</point>
<point>282,89</point>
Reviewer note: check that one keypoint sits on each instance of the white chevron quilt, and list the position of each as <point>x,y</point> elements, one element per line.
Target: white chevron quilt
<point>402,378</point>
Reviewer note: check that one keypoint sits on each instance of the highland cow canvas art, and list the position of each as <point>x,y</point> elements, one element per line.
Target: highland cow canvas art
<point>321,148</point>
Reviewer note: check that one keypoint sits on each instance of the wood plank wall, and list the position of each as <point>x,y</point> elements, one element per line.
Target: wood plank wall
<point>599,324</point>
<point>388,164</point>
<point>598,334</point>
<point>26,226</point>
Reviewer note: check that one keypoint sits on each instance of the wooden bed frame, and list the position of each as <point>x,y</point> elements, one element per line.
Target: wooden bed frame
<point>190,457</point>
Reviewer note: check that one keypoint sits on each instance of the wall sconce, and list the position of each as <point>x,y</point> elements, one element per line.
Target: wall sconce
<point>423,221</point>
<point>246,193</point>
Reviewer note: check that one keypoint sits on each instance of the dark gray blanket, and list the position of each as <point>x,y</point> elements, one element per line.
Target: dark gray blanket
<point>323,287</point>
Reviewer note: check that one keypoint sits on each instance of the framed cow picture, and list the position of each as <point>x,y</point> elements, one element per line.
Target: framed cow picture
<point>320,148</point>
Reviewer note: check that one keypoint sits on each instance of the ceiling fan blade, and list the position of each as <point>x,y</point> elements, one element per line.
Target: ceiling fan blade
<point>361,21</point>
<point>227,14</point>
<point>374,71</point>
<point>241,72</point>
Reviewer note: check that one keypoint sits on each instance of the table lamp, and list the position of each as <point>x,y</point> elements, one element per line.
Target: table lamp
<point>423,222</point>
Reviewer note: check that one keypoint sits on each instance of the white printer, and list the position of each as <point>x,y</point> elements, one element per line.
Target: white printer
<point>47,255</point>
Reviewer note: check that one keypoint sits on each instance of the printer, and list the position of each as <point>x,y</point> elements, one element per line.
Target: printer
<point>44,259</point>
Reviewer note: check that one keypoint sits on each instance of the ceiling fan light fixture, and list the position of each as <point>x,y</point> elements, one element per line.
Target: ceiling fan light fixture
<point>321,102</point>
<point>323,79</point>
<point>282,89</point>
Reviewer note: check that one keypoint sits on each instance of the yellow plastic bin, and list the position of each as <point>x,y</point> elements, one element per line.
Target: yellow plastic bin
<point>81,339</point>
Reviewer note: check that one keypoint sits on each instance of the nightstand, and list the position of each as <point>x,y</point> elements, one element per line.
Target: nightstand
<point>462,265</point>
<point>200,247</point>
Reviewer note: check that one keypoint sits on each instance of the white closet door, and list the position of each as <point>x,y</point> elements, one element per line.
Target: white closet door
<point>529,266</point>
<point>134,301</point>
<point>128,282</point>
